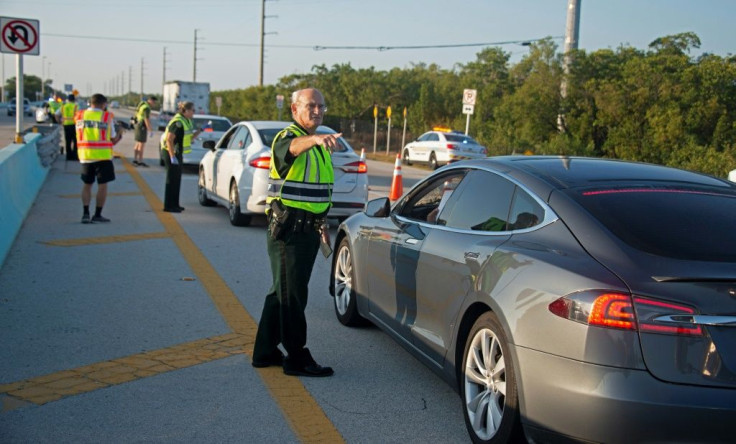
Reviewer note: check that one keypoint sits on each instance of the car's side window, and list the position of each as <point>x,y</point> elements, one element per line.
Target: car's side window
<point>482,203</point>
<point>227,137</point>
<point>525,211</point>
<point>433,138</point>
<point>428,202</point>
<point>424,137</point>
<point>238,140</point>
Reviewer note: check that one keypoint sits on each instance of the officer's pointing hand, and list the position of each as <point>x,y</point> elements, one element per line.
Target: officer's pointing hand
<point>328,140</point>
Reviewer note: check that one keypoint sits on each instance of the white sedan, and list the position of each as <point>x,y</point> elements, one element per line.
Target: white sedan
<point>234,173</point>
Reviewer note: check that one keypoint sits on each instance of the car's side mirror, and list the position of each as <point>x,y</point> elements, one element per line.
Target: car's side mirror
<point>209,144</point>
<point>380,207</point>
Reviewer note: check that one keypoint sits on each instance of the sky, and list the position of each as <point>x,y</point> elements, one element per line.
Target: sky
<point>106,46</point>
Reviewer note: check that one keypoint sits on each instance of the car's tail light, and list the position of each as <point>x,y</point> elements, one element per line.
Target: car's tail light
<point>261,162</point>
<point>358,167</point>
<point>621,311</point>
<point>451,146</point>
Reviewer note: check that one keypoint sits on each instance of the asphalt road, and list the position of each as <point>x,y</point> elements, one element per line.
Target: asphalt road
<point>141,330</point>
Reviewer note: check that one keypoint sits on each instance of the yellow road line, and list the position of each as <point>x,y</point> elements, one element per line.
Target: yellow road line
<point>104,239</point>
<point>306,417</point>
<point>55,386</point>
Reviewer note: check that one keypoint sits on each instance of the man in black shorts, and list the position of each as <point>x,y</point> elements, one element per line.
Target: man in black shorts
<point>143,129</point>
<point>95,138</point>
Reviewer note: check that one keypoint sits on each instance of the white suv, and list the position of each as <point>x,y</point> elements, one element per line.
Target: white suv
<point>442,146</point>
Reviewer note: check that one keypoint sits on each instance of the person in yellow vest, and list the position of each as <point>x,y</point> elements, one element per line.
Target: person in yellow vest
<point>143,129</point>
<point>65,115</point>
<point>54,107</point>
<point>96,136</point>
<point>177,140</point>
<point>299,197</point>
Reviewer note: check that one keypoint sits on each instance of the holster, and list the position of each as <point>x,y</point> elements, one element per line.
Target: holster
<point>278,218</point>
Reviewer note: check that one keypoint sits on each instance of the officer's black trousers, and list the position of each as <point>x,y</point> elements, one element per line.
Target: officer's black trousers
<point>70,138</point>
<point>173,182</point>
<point>282,319</point>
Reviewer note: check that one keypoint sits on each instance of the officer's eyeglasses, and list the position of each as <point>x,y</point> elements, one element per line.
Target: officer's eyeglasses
<point>319,107</point>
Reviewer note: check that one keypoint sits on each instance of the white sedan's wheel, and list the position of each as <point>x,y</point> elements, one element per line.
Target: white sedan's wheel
<point>488,383</point>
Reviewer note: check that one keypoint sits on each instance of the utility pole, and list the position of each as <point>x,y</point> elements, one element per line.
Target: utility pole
<point>263,36</point>
<point>142,79</point>
<point>572,33</point>
<point>43,76</point>
<point>194,76</point>
<point>163,78</point>
<point>263,39</point>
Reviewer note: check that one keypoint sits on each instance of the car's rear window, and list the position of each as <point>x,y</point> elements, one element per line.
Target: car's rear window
<point>267,136</point>
<point>217,124</point>
<point>676,222</point>
<point>460,139</point>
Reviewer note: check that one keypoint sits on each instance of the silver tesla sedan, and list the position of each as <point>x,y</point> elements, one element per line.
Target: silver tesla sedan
<point>565,299</point>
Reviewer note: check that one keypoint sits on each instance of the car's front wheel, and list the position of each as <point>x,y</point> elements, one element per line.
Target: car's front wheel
<point>202,191</point>
<point>236,217</point>
<point>346,307</point>
<point>488,384</point>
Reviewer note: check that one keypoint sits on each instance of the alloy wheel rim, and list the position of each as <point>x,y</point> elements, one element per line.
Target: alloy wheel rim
<point>485,384</point>
<point>343,280</point>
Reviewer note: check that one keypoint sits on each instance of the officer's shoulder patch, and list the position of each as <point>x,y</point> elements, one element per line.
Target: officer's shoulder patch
<point>178,124</point>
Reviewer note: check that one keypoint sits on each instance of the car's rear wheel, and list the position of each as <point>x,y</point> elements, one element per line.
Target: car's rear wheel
<point>236,217</point>
<point>488,384</point>
<point>433,161</point>
<point>346,307</point>
<point>202,191</point>
<point>407,160</point>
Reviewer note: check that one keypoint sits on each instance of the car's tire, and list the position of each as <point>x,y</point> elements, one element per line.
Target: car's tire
<point>236,217</point>
<point>433,161</point>
<point>488,384</point>
<point>202,191</point>
<point>407,159</point>
<point>343,272</point>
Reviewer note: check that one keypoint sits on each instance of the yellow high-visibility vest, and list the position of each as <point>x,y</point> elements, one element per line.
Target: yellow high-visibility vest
<point>94,135</point>
<point>308,184</point>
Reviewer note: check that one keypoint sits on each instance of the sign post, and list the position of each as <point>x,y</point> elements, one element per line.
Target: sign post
<point>468,106</point>
<point>279,104</point>
<point>388,132</point>
<point>19,37</point>
<point>375,127</point>
<point>218,103</point>
<point>403,134</point>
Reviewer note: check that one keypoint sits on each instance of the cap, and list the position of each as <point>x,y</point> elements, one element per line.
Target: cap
<point>154,98</point>
<point>70,97</point>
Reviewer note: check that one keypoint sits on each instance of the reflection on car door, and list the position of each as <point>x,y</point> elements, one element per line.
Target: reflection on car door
<point>471,226</point>
<point>394,253</point>
<point>229,160</point>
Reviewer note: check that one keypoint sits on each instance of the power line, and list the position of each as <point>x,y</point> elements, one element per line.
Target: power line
<point>314,47</point>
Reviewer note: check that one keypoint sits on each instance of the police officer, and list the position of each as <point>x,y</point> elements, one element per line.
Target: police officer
<point>176,141</point>
<point>300,187</point>
<point>66,115</point>
<point>96,136</point>
<point>54,107</point>
<point>143,129</point>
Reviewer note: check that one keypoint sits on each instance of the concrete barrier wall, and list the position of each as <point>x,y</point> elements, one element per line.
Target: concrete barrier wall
<point>21,177</point>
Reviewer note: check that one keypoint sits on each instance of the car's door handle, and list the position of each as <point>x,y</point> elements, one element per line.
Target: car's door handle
<point>411,241</point>
<point>471,255</point>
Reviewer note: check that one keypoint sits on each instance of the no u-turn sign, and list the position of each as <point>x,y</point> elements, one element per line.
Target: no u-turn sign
<point>19,36</point>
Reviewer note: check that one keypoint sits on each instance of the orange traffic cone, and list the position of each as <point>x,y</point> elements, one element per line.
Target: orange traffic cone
<point>397,184</point>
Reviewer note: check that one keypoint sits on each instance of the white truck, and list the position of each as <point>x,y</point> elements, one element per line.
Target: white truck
<point>177,91</point>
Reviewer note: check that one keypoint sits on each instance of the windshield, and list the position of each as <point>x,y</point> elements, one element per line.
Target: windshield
<point>690,223</point>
